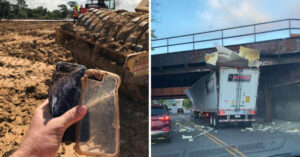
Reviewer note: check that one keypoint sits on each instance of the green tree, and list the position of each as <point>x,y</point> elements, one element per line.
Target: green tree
<point>22,14</point>
<point>15,11</point>
<point>29,12</point>
<point>4,9</point>
<point>187,104</point>
<point>64,10</point>
<point>40,12</point>
<point>21,4</point>
<point>20,10</point>
<point>71,3</point>
<point>56,14</point>
<point>161,101</point>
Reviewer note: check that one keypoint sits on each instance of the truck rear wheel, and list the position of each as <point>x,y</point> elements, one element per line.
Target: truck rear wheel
<point>211,120</point>
<point>215,121</point>
<point>196,115</point>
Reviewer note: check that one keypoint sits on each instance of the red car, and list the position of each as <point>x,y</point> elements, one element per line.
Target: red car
<point>160,122</point>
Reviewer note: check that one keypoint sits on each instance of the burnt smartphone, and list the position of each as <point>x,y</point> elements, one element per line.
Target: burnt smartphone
<point>64,92</point>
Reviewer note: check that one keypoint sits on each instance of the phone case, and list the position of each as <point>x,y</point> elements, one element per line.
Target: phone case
<point>98,133</point>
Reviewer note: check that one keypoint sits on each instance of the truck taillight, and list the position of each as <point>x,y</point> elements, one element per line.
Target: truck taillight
<point>252,112</point>
<point>164,118</point>
<point>221,112</point>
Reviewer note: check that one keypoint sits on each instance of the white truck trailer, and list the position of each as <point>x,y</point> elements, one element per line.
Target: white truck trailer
<point>226,95</point>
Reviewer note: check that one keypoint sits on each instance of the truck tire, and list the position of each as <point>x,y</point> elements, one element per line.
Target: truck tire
<point>211,120</point>
<point>216,123</point>
<point>196,115</point>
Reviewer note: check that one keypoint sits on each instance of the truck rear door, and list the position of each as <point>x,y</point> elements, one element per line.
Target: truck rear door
<point>238,91</point>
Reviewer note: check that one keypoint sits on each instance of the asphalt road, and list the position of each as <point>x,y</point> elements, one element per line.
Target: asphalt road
<point>193,138</point>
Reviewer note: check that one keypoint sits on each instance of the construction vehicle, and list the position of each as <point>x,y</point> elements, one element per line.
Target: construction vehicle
<point>99,4</point>
<point>112,40</point>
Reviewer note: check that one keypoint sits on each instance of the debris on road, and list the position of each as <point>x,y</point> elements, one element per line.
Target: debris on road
<point>279,125</point>
<point>186,137</point>
<point>249,129</point>
<point>205,132</point>
<point>292,131</point>
<point>189,130</point>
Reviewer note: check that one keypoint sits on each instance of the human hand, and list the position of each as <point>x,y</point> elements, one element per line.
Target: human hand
<point>45,132</point>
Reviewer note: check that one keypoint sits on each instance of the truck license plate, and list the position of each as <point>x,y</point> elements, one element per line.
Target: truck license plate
<point>237,116</point>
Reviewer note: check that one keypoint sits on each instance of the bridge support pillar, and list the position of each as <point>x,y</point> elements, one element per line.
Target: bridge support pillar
<point>268,113</point>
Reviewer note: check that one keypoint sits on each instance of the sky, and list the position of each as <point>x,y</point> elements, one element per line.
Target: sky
<point>52,4</point>
<point>179,17</point>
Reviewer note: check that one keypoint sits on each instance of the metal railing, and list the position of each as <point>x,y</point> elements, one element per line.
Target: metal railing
<point>223,37</point>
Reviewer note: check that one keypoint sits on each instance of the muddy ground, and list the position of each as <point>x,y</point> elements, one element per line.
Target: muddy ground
<point>28,54</point>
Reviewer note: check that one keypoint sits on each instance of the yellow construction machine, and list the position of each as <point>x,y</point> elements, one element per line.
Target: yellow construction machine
<point>112,40</point>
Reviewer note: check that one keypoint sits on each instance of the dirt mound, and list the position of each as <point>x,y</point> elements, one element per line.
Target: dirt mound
<point>28,55</point>
<point>27,58</point>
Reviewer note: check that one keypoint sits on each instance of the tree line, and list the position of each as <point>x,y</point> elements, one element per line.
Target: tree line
<point>20,10</point>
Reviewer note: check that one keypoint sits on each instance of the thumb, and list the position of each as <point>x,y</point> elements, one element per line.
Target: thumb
<point>73,115</point>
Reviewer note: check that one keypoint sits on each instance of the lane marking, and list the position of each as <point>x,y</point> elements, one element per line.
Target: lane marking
<point>222,146</point>
<point>212,139</point>
<point>225,144</point>
<point>202,133</point>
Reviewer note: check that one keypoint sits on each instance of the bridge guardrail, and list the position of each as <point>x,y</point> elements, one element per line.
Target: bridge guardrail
<point>192,42</point>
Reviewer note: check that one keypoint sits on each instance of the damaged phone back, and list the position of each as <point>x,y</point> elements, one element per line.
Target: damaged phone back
<point>64,92</point>
<point>98,132</point>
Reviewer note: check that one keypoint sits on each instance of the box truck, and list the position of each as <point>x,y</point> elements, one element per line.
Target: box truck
<point>226,95</point>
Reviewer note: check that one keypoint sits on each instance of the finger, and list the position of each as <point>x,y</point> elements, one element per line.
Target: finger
<point>72,116</point>
<point>44,104</point>
<point>43,107</point>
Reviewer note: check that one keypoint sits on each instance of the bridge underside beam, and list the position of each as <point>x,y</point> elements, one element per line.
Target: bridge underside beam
<point>179,69</point>
<point>168,93</point>
<point>276,76</point>
<point>176,80</point>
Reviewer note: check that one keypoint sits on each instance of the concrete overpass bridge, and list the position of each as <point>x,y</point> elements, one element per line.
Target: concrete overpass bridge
<point>173,72</point>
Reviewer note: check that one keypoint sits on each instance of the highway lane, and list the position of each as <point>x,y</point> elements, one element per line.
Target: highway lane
<point>192,137</point>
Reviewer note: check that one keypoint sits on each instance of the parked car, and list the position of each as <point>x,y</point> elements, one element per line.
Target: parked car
<point>160,122</point>
<point>180,110</point>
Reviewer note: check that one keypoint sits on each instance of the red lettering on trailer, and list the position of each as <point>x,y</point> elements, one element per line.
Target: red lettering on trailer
<point>236,77</point>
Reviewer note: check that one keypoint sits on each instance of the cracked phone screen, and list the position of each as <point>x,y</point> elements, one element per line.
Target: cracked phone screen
<point>98,131</point>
